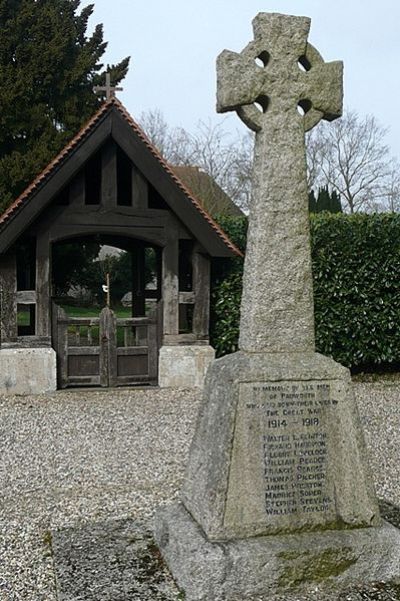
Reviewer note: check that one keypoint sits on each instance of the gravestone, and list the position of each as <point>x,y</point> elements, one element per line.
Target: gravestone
<point>277,492</point>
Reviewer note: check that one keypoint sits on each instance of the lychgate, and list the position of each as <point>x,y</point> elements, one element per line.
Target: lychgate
<point>112,185</point>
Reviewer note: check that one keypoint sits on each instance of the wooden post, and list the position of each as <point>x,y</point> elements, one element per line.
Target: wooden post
<point>138,280</point>
<point>140,190</point>
<point>54,328</point>
<point>170,287</point>
<point>108,343</point>
<point>112,348</point>
<point>62,346</point>
<point>201,285</point>
<point>108,293</point>
<point>8,290</point>
<point>77,190</point>
<point>43,285</point>
<point>159,252</point>
<point>109,176</point>
<point>103,343</point>
<point>152,349</point>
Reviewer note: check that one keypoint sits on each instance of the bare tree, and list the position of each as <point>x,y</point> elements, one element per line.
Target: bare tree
<point>350,156</point>
<point>169,141</point>
<point>390,194</point>
<point>226,159</point>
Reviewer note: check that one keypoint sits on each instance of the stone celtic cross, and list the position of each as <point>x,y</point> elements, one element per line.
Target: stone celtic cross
<point>277,492</point>
<point>280,87</point>
<point>108,88</point>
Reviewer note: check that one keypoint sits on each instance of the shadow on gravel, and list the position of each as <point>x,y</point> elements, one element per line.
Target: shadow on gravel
<point>118,561</point>
<point>113,560</point>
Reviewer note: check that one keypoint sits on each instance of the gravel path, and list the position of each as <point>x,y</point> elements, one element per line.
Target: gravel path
<point>74,459</point>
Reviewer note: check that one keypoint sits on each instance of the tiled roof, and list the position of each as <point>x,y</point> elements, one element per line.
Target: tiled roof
<point>25,197</point>
<point>213,198</point>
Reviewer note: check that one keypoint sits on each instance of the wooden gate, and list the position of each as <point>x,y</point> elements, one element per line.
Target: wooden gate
<point>105,350</point>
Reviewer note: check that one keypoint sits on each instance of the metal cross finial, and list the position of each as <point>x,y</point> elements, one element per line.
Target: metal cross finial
<point>108,88</point>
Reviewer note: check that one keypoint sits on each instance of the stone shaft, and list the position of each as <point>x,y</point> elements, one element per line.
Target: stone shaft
<point>275,78</point>
<point>277,312</point>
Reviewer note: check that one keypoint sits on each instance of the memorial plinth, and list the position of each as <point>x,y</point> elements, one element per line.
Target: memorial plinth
<point>277,493</point>
<point>278,449</point>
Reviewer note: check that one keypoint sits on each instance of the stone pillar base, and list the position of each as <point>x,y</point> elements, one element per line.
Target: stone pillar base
<point>28,371</point>
<point>184,366</point>
<point>269,565</point>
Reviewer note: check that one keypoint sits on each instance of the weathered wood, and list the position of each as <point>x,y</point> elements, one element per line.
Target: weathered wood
<point>170,286</point>
<point>62,348</point>
<point>56,215</point>
<point>106,364</point>
<point>77,191</point>
<point>130,351</point>
<point>8,302</point>
<point>152,351</point>
<point>135,321</point>
<point>159,315</point>
<point>201,284</point>
<point>26,297</point>
<point>109,176</point>
<point>54,184</point>
<point>43,285</point>
<point>108,340</point>
<point>138,280</point>
<point>140,190</point>
<point>153,235</point>
<point>158,251</point>
<point>99,217</point>
<point>134,380</point>
<point>146,163</point>
<point>79,321</point>
<point>54,326</point>
<point>103,341</point>
<point>112,348</point>
<point>187,298</point>
<point>77,214</point>
<point>83,381</point>
<point>83,350</point>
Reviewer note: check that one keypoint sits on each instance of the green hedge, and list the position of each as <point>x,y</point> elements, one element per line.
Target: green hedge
<point>226,290</point>
<point>356,270</point>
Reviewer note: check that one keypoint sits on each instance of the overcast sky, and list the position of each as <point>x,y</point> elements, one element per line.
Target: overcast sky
<point>174,45</point>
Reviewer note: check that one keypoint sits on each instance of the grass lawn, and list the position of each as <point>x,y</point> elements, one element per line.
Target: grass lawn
<point>72,311</point>
<point>123,312</point>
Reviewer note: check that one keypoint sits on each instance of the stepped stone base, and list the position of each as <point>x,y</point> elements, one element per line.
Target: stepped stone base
<point>28,371</point>
<point>264,566</point>
<point>184,366</point>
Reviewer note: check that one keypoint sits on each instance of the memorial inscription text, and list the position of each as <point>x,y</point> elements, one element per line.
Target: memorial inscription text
<point>293,438</point>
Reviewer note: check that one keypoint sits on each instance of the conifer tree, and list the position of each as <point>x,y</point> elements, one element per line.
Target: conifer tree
<point>312,202</point>
<point>48,67</point>
<point>325,201</point>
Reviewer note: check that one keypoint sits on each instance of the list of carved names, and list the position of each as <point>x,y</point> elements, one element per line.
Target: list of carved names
<point>294,444</point>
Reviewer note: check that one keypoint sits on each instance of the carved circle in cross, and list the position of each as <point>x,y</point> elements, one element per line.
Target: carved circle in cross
<point>251,115</point>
